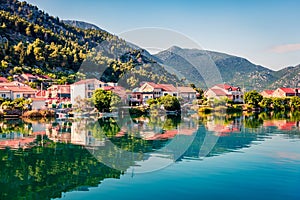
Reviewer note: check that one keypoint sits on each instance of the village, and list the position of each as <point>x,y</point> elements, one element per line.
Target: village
<point>57,96</point>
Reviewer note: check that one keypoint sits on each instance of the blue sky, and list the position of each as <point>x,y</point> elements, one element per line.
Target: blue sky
<point>265,32</point>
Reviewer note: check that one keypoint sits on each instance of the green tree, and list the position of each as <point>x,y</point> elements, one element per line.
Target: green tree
<point>170,103</point>
<point>105,100</point>
<point>253,98</point>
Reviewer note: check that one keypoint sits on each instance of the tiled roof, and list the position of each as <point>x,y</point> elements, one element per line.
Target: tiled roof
<point>218,92</point>
<point>17,89</point>
<point>87,81</point>
<point>269,91</point>
<point>186,90</point>
<point>30,75</point>
<point>224,86</point>
<point>167,87</point>
<point>41,93</point>
<point>3,80</point>
<point>288,90</point>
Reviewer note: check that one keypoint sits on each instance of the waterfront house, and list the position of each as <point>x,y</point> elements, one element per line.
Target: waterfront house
<point>84,89</point>
<point>267,93</point>
<point>150,90</point>
<point>187,93</point>
<point>286,92</point>
<point>38,103</point>
<point>12,92</point>
<point>223,90</point>
<point>59,91</point>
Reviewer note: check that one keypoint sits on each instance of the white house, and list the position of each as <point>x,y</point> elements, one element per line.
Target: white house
<point>187,93</point>
<point>85,88</point>
<point>224,90</point>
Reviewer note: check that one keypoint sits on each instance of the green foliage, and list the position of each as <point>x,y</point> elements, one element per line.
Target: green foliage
<point>253,98</point>
<point>170,103</point>
<point>105,100</point>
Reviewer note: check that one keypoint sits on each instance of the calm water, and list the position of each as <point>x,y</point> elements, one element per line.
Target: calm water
<point>158,157</point>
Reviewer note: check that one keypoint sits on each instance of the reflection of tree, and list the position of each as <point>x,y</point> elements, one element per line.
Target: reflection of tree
<point>50,171</point>
<point>253,121</point>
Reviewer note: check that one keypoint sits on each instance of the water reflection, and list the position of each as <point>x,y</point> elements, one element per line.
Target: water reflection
<point>52,157</point>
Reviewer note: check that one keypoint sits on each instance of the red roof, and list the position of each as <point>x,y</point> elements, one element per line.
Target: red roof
<point>30,75</point>
<point>87,81</point>
<point>17,89</point>
<point>218,92</point>
<point>288,90</point>
<point>167,87</point>
<point>224,86</point>
<point>269,91</point>
<point>3,80</point>
<point>41,93</point>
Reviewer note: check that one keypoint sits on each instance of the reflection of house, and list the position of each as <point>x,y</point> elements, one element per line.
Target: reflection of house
<point>85,88</point>
<point>267,93</point>
<point>286,92</point>
<point>224,90</point>
<point>187,93</point>
<point>82,135</point>
<point>281,124</point>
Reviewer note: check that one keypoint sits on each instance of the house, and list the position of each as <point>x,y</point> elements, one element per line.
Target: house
<point>28,77</point>
<point>59,91</point>
<point>150,90</point>
<point>85,88</point>
<point>33,78</point>
<point>38,103</point>
<point>223,90</point>
<point>135,98</point>
<point>12,92</point>
<point>267,93</point>
<point>286,92</point>
<point>118,90</point>
<point>187,93</point>
<point>3,80</point>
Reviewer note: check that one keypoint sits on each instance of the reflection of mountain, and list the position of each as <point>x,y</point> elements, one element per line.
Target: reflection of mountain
<point>52,167</point>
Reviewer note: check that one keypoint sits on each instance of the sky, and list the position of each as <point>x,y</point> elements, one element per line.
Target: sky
<point>264,32</point>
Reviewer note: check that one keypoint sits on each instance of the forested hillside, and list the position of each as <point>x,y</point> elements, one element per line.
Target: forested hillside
<point>31,41</point>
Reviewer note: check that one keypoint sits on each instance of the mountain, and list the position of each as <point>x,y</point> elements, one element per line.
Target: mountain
<point>82,25</point>
<point>287,77</point>
<point>32,41</point>
<point>234,70</point>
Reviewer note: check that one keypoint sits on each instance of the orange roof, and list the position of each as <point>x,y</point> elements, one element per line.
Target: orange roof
<point>41,93</point>
<point>186,90</point>
<point>29,75</point>
<point>269,91</point>
<point>17,89</point>
<point>218,92</point>
<point>167,87</point>
<point>87,81</point>
<point>3,80</point>
<point>224,86</point>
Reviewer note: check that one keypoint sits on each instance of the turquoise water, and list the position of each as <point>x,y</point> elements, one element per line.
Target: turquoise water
<point>252,157</point>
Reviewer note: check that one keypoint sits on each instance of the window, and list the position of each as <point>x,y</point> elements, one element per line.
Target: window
<point>3,95</point>
<point>174,95</point>
<point>18,95</point>
<point>90,94</point>
<point>237,96</point>
<point>91,87</point>
<point>100,85</point>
